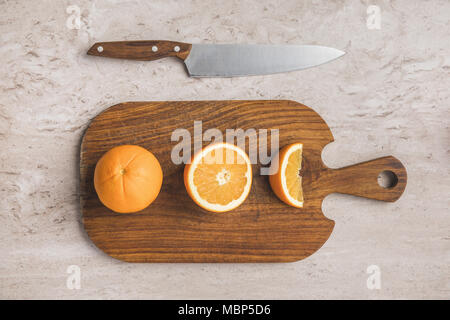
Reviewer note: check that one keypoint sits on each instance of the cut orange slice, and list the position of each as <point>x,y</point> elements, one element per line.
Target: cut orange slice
<point>286,183</point>
<point>219,177</point>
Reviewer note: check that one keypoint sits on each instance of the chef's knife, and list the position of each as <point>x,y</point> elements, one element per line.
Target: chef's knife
<point>222,60</point>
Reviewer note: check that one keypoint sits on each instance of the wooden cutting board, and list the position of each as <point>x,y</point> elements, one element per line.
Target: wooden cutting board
<point>262,229</point>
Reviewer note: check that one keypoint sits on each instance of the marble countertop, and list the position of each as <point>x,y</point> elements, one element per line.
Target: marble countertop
<point>389,95</point>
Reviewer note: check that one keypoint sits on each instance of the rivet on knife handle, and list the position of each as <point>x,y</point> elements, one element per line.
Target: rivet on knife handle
<point>141,50</point>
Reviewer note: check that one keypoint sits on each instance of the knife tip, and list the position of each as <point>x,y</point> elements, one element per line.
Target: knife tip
<point>341,53</point>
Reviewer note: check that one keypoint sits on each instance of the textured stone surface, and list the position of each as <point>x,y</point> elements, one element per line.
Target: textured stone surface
<point>388,95</point>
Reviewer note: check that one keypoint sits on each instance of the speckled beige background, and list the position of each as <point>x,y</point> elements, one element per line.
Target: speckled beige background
<point>388,96</point>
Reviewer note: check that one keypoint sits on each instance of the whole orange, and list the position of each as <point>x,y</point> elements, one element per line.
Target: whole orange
<point>128,178</point>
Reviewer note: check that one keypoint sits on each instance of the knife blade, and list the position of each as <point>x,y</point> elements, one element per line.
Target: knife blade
<point>222,60</point>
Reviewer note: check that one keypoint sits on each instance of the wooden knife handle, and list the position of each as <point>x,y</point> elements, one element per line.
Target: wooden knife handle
<point>362,179</point>
<point>141,50</point>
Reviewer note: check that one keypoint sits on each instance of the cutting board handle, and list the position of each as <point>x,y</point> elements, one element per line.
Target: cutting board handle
<point>362,179</point>
<point>141,50</point>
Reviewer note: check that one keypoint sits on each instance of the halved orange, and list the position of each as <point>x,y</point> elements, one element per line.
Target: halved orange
<point>219,177</point>
<point>286,183</point>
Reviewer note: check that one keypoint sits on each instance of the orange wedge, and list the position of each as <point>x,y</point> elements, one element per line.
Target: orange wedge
<point>219,177</point>
<point>286,183</point>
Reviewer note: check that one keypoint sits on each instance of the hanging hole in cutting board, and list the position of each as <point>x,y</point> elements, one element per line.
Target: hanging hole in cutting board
<point>387,179</point>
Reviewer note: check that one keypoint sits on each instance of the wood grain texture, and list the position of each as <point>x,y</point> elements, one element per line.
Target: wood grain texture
<point>140,50</point>
<point>262,229</point>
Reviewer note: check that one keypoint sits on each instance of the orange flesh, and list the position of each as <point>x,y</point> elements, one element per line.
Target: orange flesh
<point>220,178</point>
<point>292,173</point>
